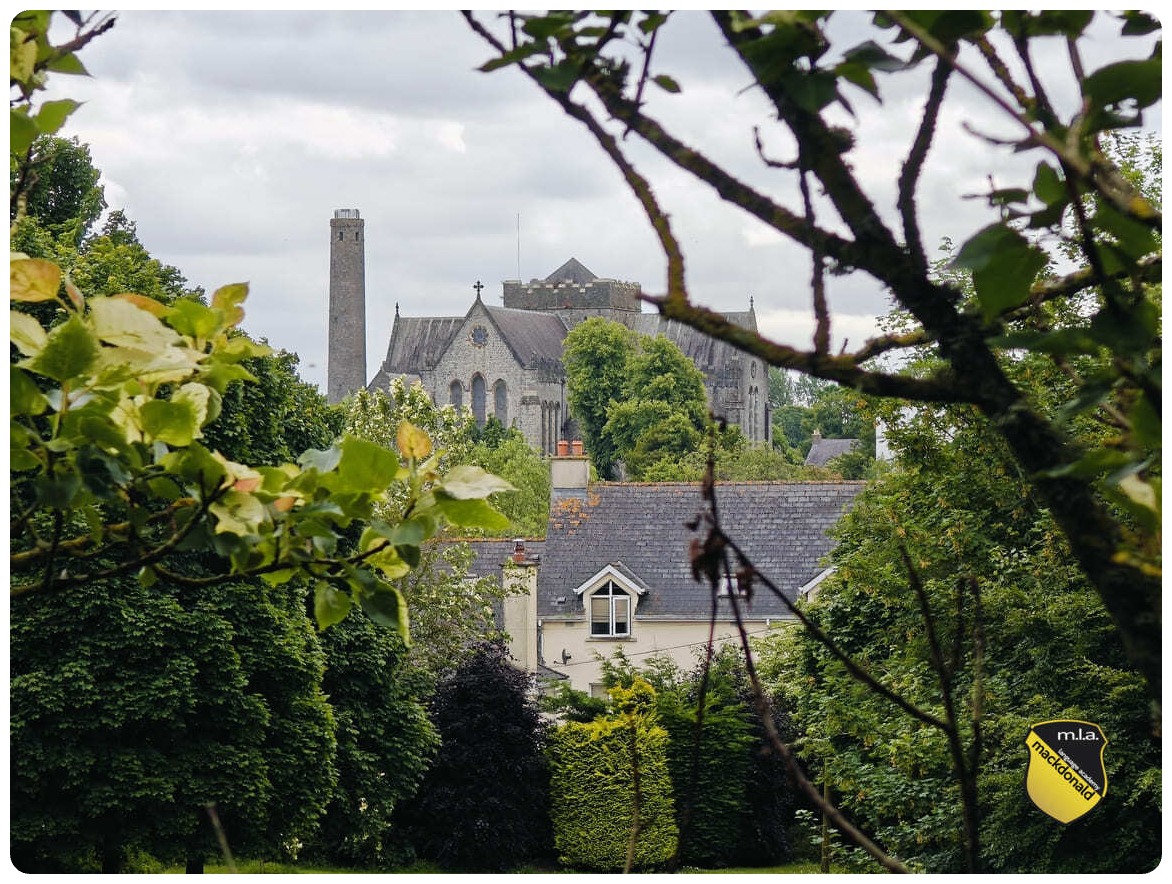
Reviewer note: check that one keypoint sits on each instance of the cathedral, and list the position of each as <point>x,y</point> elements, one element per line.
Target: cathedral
<point>506,361</point>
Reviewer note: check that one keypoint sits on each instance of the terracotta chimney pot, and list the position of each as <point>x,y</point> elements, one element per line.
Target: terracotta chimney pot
<point>563,447</point>
<point>576,447</point>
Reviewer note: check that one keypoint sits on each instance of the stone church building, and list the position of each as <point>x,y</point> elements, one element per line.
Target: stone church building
<point>506,361</point>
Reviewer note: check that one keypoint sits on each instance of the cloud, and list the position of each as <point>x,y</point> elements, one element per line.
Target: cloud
<point>230,138</point>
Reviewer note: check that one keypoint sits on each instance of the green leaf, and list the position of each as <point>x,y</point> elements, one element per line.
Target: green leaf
<point>194,319</point>
<point>120,322</point>
<point>102,433</point>
<point>26,333</point>
<point>24,397</point>
<point>68,63</point>
<point>1048,185</point>
<point>1096,462</point>
<point>228,299</point>
<point>652,22</point>
<point>365,466</point>
<point>558,78</point>
<point>1004,266</point>
<point>330,605</point>
<point>238,513</point>
<point>57,492</point>
<point>1137,81</point>
<point>173,422</point>
<point>470,513</point>
<point>52,114</point>
<point>466,482</point>
<point>666,83</point>
<point>386,607</point>
<point>525,50</point>
<point>1137,23</point>
<point>33,280</point>
<point>22,131</point>
<point>1134,239</point>
<point>324,461</point>
<point>69,352</point>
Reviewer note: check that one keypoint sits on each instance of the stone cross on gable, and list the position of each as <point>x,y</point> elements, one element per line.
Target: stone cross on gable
<point>479,286</point>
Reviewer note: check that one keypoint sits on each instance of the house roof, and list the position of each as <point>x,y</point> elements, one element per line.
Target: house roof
<point>824,450</point>
<point>782,526</point>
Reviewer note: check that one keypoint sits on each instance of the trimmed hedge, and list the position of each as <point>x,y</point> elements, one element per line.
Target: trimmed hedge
<point>592,792</point>
<point>709,779</point>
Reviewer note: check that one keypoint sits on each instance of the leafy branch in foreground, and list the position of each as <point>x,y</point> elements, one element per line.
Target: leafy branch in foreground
<point>107,409</point>
<point>1101,319</point>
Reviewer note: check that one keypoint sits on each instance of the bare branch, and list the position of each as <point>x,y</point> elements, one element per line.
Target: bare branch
<point>910,175</point>
<point>843,369</point>
<point>1112,188</point>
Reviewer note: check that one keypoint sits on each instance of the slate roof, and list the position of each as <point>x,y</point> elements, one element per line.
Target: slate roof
<point>572,271</point>
<point>417,343</point>
<point>824,450</point>
<point>533,336</point>
<point>491,554</point>
<point>706,352</point>
<point>781,525</point>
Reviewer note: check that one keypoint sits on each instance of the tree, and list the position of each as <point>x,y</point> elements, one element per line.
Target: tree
<point>640,401</point>
<point>595,354</point>
<point>484,803</point>
<point>133,709</point>
<point>968,519</point>
<point>663,410</point>
<point>250,730</point>
<point>385,743</point>
<point>518,463</point>
<point>1105,499</point>
<point>452,610</point>
<point>733,804</point>
<point>108,405</point>
<point>62,193</point>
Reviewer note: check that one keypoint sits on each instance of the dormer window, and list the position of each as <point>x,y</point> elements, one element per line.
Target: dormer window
<point>610,612</point>
<point>610,598</point>
<point>728,587</point>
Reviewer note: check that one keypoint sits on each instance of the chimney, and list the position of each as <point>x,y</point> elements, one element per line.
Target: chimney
<point>569,474</point>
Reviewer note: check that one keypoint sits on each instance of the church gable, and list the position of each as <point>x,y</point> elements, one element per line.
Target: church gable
<point>535,339</point>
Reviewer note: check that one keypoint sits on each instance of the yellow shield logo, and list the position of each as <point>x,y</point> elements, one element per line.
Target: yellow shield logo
<point>1066,777</point>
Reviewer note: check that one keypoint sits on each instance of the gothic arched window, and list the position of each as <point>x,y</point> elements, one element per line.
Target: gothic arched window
<point>478,396</point>
<point>457,393</point>
<point>500,402</point>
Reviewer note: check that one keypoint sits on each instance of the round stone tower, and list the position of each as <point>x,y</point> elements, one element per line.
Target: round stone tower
<point>346,362</point>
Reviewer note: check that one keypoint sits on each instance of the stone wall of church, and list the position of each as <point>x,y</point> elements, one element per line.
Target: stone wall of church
<point>531,399</point>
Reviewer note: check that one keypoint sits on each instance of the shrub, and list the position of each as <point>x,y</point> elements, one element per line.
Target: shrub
<point>483,805</point>
<point>594,770</point>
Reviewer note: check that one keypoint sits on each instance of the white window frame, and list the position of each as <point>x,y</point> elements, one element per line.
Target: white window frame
<point>729,587</point>
<point>610,576</point>
<point>611,594</point>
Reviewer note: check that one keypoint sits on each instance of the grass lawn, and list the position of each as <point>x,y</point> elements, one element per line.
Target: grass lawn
<point>258,867</point>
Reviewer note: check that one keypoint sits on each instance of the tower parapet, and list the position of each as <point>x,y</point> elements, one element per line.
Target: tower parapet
<point>572,287</point>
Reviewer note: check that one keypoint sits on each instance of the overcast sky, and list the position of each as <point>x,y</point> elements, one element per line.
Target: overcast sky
<point>230,139</point>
